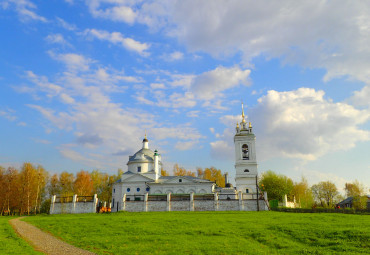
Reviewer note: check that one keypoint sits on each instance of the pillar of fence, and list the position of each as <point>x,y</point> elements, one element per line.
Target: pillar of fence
<point>169,202</point>
<point>123,202</point>
<point>216,201</point>
<point>95,204</point>
<point>74,201</point>
<point>191,204</point>
<point>146,202</point>
<point>241,204</point>
<point>53,198</point>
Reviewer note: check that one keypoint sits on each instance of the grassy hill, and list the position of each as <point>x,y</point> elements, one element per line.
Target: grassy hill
<point>212,232</point>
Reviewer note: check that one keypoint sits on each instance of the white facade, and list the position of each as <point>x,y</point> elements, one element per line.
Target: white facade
<point>143,176</point>
<point>245,157</point>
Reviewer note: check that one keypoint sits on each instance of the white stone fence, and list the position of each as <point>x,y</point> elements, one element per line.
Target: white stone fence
<point>191,202</point>
<point>73,204</point>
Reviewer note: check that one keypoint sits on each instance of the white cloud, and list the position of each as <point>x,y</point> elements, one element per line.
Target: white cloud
<point>117,10</point>
<point>118,38</point>
<point>66,25</point>
<point>300,124</point>
<point>210,84</point>
<point>157,86</point>
<point>25,10</point>
<point>8,114</point>
<point>94,119</point>
<point>361,97</point>
<point>335,37</point>
<point>174,56</point>
<point>57,39</point>
<point>73,62</point>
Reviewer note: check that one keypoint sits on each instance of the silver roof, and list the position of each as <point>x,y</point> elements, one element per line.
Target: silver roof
<point>143,155</point>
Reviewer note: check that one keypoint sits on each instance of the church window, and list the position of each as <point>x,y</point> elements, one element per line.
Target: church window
<point>128,189</point>
<point>114,190</point>
<point>180,180</point>
<point>246,190</point>
<point>245,152</point>
<point>113,203</point>
<point>246,170</point>
<point>139,169</point>
<point>138,189</point>
<point>147,189</point>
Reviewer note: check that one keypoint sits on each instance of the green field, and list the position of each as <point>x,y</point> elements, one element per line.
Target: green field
<point>212,232</point>
<point>10,243</point>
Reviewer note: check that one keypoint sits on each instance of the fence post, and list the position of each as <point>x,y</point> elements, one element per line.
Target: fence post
<point>146,202</point>
<point>74,201</point>
<point>169,202</point>
<point>124,202</point>
<point>241,205</point>
<point>53,198</point>
<point>95,203</point>
<point>216,201</point>
<point>191,201</point>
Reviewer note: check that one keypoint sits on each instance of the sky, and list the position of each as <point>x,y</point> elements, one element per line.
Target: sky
<point>82,81</point>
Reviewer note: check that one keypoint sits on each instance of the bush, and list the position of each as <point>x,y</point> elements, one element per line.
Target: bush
<point>322,210</point>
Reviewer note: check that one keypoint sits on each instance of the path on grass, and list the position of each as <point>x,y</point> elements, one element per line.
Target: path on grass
<point>44,242</point>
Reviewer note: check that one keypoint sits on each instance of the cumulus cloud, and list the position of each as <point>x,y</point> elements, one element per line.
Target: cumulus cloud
<point>118,38</point>
<point>300,124</point>
<point>210,84</point>
<point>335,37</point>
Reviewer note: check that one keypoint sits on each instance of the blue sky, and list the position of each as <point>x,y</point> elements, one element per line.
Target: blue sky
<point>81,81</point>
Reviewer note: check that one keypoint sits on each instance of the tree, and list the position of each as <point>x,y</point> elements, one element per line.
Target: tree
<point>83,185</point>
<point>54,185</point>
<point>164,172</point>
<point>276,185</point>
<point>66,181</point>
<point>42,176</point>
<point>12,190</point>
<point>28,178</point>
<point>357,191</point>
<point>212,174</point>
<point>180,171</point>
<point>325,193</point>
<point>303,193</point>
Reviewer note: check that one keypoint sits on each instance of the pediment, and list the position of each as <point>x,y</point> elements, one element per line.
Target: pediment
<point>137,178</point>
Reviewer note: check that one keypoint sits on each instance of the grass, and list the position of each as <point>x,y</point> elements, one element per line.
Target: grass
<point>212,232</point>
<point>10,243</point>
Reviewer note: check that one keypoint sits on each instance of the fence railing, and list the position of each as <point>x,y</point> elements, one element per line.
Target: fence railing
<point>67,199</point>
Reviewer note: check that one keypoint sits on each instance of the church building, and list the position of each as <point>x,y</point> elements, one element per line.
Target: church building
<point>143,175</point>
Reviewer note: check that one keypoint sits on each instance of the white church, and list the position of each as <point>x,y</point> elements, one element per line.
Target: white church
<point>142,182</point>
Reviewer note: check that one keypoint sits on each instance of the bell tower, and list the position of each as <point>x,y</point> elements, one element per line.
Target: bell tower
<point>245,157</point>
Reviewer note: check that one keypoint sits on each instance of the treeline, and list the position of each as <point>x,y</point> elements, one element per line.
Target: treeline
<point>28,190</point>
<point>212,174</point>
<point>323,194</point>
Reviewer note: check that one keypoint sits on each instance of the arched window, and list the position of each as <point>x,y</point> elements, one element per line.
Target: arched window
<point>246,170</point>
<point>245,152</point>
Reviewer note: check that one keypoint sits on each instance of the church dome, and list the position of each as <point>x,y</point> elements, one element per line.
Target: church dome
<point>143,155</point>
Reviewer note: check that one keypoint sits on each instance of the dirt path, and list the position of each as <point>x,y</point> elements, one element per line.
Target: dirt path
<point>42,241</point>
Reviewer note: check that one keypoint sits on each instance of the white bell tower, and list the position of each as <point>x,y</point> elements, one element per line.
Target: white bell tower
<point>245,157</point>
